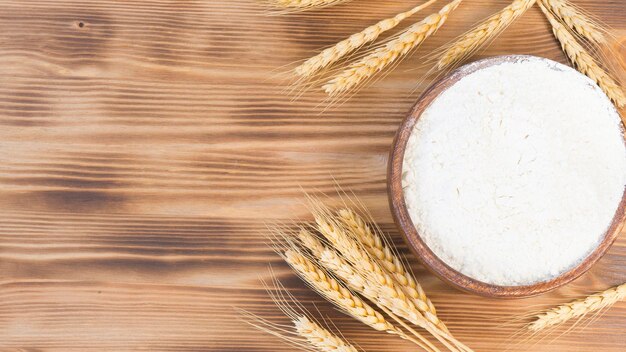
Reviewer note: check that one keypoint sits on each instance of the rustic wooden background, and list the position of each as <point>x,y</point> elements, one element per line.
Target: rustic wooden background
<point>145,144</point>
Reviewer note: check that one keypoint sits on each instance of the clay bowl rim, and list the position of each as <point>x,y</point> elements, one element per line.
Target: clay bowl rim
<point>424,253</point>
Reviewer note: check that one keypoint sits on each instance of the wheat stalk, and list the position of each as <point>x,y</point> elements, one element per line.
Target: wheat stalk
<point>376,247</point>
<point>333,54</point>
<point>579,308</point>
<point>304,4</point>
<point>576,20</point>
<point>583,60</point>
<point>383,56</point>
<point>485,31</point>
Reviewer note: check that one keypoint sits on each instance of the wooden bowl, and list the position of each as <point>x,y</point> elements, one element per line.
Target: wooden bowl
<point>419,247</point>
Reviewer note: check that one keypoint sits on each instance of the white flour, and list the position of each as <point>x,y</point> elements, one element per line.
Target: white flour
<point>513,175</point>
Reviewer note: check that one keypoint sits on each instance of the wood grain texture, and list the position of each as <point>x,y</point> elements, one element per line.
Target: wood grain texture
<point>144,145</point>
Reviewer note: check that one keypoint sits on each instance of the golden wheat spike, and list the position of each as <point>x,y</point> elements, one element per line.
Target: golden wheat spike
<point>331,260</point>
<point>576,20</point>
<point>375,245</point>
<point>334,263</point>
<point>344,299</point>
<point>320,338</point>
<point>383,56</point>
<point>485,31</point>
<point>307,334</point>
<point>379,286</point>
<point>332,290</point>
<point>579,308</point>
<point>583,60</point>
<point>333,54</point>
<point>311,242</point>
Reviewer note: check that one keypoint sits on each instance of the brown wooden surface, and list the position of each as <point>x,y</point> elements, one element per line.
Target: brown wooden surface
<point>145,144</point>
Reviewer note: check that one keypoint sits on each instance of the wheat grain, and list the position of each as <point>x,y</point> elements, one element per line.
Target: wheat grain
<point>320,338</point>
<point>375,245</point>
<point>304,4</point>
<point>331,260</point>
<point>583,60</point>
<point>333,54</point>
<point>579,308</point>
<point>484,32</point>
<point>385,55</point>
<point>311,242</point>
<point>576,20</point>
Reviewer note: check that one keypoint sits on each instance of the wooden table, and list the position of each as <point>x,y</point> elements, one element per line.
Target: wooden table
<point>144,145</point>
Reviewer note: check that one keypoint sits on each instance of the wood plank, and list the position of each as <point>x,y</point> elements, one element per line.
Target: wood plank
<point>145,145</point>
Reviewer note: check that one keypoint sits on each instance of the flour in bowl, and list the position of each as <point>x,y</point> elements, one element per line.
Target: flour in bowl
<point>513,175</point>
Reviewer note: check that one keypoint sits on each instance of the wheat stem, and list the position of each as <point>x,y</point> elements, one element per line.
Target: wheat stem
<point>376,247</point>
<point>485,31</point>
<point>583,60</point>
<point>333,54</point>
<point>576,20</point>
<point>383,56</point>
<point>578,308</point>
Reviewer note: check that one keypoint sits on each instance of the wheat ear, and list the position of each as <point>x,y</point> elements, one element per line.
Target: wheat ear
<point>333,262</point>
<point>303,4</point>
<point>375,245</point>
<point>576,20</point>
<point>385,55</point>
<point>333,54</point>
<point>320,338</point>
<point>343,298</point>
<point>307,334</point>
<point>335,292</point>
<point>380,287</point>
<point>578,308</point>
<point>485,31</point>
<point>373,242</point>
<point>583,60</point>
